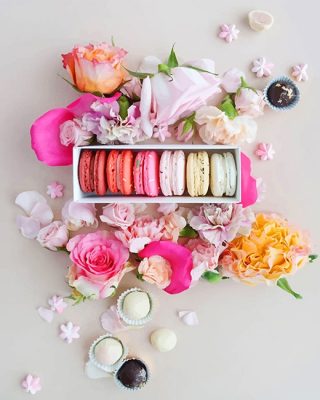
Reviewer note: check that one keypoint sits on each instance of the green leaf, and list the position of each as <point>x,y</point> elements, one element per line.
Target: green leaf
<point>284,285</point>
<point>172,60</point>
<point>199,69</point>
<point>112,41</point>
<point>139,75</point>
<point>63,249</point>
<point>188,232</point>
<point>187,126</point>
<point>165,69</point>
<point>98,94</point>
<point>139,276</point>
<point>313,257</point>
<point>212,276</point>
<point>228,107</point>
<point>124,105</point>
<point>244,85</point>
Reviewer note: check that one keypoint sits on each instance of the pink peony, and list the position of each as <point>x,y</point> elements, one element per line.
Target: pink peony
<point>205,257</point>
<point>98,263</point>
<point>155,269</point>
<point>220,223</point>
<point>72,134</point>
<point>53,236</point>
<point>249,103</point>
<point>144,230</point>
<point>180,260</point>
<point>173,224</point>
<point>118,215</point>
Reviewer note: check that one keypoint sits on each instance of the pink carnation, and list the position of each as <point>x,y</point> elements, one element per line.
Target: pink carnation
<point>220,223</point>
<point>144,230</point>
<point>173,224</point>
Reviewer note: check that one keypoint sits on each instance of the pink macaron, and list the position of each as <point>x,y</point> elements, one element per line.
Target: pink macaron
<point>172,173</point>
<point>138,173</point>
<point>151,182</point>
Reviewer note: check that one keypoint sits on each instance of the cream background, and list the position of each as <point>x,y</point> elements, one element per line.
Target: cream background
<point>256,343</point>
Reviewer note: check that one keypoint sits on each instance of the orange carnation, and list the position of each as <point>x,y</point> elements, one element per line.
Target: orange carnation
<point>272,250</point>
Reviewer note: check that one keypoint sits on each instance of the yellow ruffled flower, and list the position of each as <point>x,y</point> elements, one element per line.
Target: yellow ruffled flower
<point>272,250</point>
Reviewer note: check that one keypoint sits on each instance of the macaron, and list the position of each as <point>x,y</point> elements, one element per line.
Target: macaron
<point>198,173</point>
<point>138,173</point>
<point>99,173</point>
<point>84,168</point>
<point>218,175</point>
<point>124,172</point>
<point>231,174</point>
<point>151,182</point>
<point>111,171</point>
<point>172,173</point>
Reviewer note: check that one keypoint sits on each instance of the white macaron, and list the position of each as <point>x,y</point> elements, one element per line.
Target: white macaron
<point>218,175</point>
<point>231,174</point>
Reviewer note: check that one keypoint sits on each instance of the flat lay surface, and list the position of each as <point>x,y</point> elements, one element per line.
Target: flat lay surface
<point>255,343</point>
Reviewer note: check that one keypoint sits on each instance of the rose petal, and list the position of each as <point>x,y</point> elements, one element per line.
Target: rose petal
<point>28,226</point>
<point>249,192</point>
<point>110,320</point>
<point>27,200</point>
<point>180,259</point>
<point>46,314</point>
<point>42,213</point>
<point>189,318</point>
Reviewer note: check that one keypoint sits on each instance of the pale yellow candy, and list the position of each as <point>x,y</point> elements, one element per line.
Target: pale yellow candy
<point>163,339</point>
<point>108,351</point>
<point>136,305</point>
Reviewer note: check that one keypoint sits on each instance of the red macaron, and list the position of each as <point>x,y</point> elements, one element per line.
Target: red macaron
<point>125,172</point>
<point>111,170</point>
<point>84,170</point>
<point>99,172</point>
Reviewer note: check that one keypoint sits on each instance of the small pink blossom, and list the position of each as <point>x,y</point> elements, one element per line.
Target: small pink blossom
<point>57,304</point>
<point>228,32</point>
<point>31,384</point>
<point>55,190</point>
<point>69,332</point>
<point>299,72</point>
<point>167,208</point>
<point>262,67</point>
<point>265,151</point>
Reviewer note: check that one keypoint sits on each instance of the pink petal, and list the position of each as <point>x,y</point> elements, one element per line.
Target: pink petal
<point>27,200</point>
<point>28,226</point>
<point>42,213</point>
<point>46,314</point>
<point>83,103</point>
<point>249,192</point>
<point>180,259</point>
<point>189,318</point>
<point>110,320</point>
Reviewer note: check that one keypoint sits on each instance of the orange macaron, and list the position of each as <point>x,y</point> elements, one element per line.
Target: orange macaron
<point>125,172</point>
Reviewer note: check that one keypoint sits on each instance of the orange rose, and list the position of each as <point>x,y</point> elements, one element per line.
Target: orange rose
<point>272,250</point>
<point>96,68</point>
<point>156,270</point>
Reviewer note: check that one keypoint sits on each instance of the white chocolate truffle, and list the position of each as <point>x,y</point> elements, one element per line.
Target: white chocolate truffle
<point>260,20</point>
<point>163,339</point>
<point>136,305</point>
<point>108,351</point>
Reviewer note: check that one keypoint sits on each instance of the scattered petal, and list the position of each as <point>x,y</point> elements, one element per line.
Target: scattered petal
<point>55,190</point>
<point>265,151</point>
<point>93,372</point>
<point>31,384</point>
<point>110,320</point>
<point>262,67</point>
<point>261,189</point>
<point>57,304</point>
<point>189,318</point>
<point>46,314</point>
<point>28,226</point>
<point>69,332</point>
<point>299,72</point>
<point>27,200</point>
<point>228,32</point>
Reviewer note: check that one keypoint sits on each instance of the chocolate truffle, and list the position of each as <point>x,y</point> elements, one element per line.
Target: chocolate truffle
<point>132,374</point>
<point>282,94</point>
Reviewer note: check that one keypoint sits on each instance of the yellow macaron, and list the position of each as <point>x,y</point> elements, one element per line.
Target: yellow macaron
<point>198,173</point>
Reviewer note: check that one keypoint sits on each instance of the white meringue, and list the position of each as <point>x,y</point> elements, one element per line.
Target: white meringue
<point>260,20</point>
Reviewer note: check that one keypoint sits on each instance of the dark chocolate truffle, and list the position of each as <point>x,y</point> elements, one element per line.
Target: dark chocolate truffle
<point>282,94</point>
<point>132,374</point>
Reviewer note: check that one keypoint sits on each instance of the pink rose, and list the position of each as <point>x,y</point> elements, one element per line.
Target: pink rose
<point>71,133</point>
<point>53,236</point>
<point>184,131</point>
<point>98,263</point>
<point>96,68</point>
<point>205,257</point>
<point>249,103</point>
<point>219,223</point>
<point>144,230</point>
<point>173,224</point>
<point>156,270</point>
<point>231,80</point>
<point>118,215</point>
